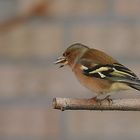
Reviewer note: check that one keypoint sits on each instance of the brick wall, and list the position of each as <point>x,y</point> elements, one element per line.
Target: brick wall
<point>31,39</point>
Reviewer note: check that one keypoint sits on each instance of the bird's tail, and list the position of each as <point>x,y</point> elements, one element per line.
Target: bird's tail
<point>135,83</point>
<point>137,87</point>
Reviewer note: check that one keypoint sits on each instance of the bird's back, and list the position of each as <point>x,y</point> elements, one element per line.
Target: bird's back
<point>98,57</point>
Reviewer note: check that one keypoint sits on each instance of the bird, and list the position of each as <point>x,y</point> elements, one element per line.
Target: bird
<point>97,71</point>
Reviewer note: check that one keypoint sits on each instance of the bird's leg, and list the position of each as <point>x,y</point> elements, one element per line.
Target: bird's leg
<point>108,99</point>
<point>97,100</point>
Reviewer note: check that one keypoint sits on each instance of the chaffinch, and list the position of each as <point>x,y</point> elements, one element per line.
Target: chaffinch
<point>98,71</point>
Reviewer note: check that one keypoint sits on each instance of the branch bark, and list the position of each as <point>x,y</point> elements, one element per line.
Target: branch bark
<point>89,104</point>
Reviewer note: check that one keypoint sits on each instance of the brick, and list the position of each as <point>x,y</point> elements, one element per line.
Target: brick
<point>22,81</point>
<point>29,122</point>
<point>8,82</point>
<point>32,41</point>
<point>4,13</point>
<point>97,124</point>
<point>26,5</point>
<point>127,7</point>
<point>68,8</point>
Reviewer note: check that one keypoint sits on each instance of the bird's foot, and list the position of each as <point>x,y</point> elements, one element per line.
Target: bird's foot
<point>107,98</point>
<point>100,101</point>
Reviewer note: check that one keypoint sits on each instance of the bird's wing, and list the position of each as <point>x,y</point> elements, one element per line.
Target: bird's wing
<point>114,72</point>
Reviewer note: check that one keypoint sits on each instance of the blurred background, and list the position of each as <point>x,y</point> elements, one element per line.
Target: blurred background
<point>33,33</point>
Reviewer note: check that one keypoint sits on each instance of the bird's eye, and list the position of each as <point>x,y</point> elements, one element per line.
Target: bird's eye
<point>64,54</point>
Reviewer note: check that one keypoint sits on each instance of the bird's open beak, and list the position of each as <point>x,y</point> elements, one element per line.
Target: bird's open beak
<point>61,60</point>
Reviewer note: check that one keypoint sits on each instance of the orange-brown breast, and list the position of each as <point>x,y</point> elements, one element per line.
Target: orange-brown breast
<point>99,86</point>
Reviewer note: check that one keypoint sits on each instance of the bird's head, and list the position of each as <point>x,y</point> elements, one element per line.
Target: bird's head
<point>71,54</point>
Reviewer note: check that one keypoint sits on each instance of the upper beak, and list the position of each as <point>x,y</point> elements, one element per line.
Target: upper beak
<point>61,60</point>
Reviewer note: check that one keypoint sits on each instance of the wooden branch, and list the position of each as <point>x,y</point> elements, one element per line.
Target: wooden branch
<point>89,104</point>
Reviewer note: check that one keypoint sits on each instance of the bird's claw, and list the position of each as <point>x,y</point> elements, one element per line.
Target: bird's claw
<point>107,98</point>
<point>100,101</point>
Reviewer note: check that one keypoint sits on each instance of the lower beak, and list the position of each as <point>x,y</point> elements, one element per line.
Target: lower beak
<point>61,60</point>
